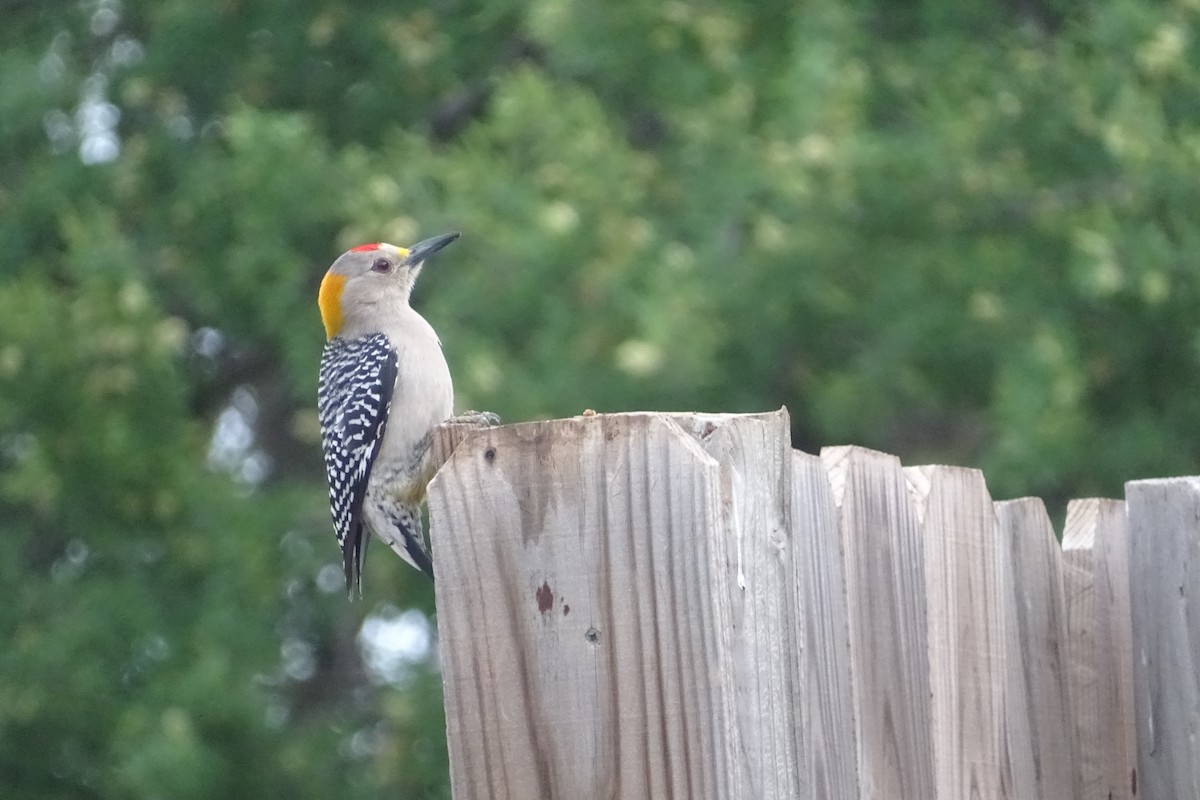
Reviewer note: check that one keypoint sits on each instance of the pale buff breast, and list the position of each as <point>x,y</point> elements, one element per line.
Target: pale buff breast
<point>423,397</point>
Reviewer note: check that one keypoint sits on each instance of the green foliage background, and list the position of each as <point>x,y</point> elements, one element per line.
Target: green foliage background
<point>961,232</point>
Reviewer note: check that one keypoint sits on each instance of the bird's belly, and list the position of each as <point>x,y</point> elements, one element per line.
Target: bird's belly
<point>423,399</point>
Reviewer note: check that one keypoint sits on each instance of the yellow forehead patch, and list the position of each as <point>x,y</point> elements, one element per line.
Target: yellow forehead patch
<point>329,300</point>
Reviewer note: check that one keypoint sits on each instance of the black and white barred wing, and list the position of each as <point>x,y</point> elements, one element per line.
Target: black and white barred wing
<point>356,383</point>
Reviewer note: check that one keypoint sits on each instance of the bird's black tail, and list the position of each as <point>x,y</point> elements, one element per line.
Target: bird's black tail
<point>353,554</point>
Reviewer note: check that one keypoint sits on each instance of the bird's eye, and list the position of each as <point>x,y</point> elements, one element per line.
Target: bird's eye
<point>381,265</point>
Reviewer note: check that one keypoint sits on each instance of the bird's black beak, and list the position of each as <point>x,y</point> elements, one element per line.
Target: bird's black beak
<point>423,250</point>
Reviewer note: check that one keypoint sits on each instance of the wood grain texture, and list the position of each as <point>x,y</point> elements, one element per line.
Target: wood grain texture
<point>582,635</point>
<point>1114,635</point>
<point>754,456</point>
<point>1164,570</point>
<point>979,721</point>
<point>1042,634</point>
<point>1096,583</point>
<point>446,437</point>
<point>886,609</point>
<point>819,594</point>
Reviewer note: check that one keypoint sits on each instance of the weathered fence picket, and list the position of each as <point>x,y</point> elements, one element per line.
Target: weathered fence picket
<point>981,741</point>
<point>582,643</point>
<point>1037,588</point>
<point>682,606</point>
<point>754,460</point>
<point>885,589</point>
<point>1164,581</point>
<point>1096,579</point>
<point>818,592</point>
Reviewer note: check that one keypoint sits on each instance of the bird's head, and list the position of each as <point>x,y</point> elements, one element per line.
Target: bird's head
<point>370,277</point>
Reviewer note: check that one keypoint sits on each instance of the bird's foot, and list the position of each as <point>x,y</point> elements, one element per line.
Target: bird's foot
<point>478,419</point>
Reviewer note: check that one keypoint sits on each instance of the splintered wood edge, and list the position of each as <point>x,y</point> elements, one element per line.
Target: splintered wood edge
<point>838,460</point>
<point>1079,531</point>
<point>921,479</point>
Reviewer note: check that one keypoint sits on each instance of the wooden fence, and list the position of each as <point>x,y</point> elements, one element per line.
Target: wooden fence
<point>683,606</point>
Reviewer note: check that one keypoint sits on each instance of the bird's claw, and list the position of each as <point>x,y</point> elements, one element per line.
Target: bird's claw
<point>479,419</point>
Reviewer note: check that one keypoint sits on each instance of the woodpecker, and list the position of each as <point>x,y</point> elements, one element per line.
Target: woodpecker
<point>384,386</point>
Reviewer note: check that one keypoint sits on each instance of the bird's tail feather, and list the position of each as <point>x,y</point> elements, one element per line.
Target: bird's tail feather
<point>353,555</point>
